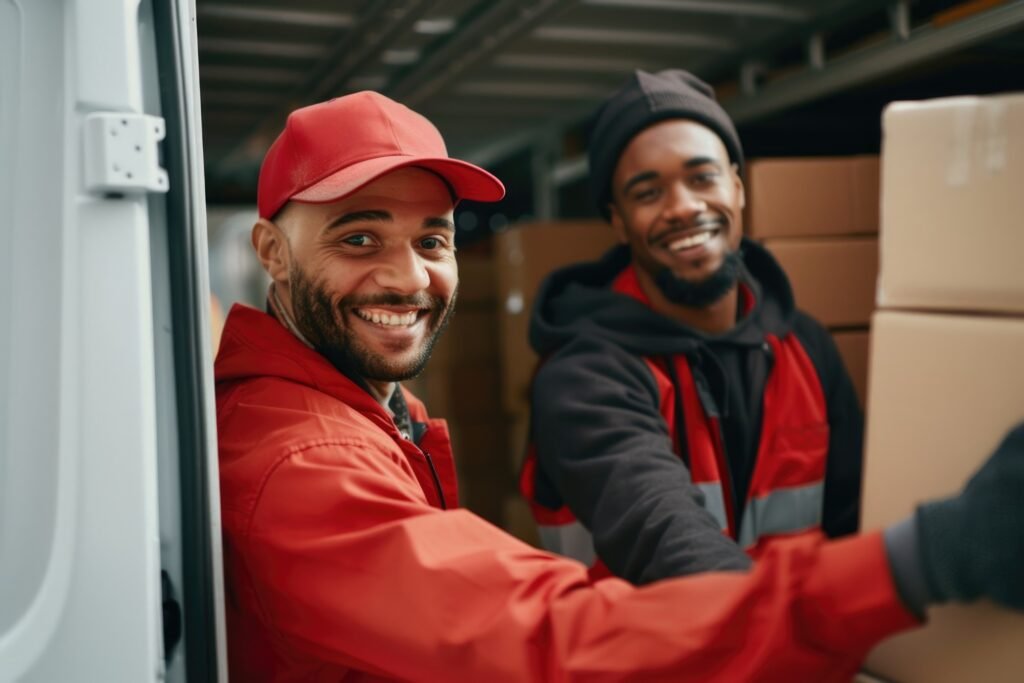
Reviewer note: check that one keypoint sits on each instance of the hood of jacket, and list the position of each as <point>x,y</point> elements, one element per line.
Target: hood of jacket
<point>256,346</point>
<point>578,300</point>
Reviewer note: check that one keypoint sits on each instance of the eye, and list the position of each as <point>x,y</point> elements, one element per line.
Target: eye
<point>708,178</point>
<point>357,240</point>
<point>646,194</point>
<point>433,243</point>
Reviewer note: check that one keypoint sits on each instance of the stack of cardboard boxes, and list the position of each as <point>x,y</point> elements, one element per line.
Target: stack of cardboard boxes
<point>462,384</point>
<point>947,366</point>
<point>819,218</point>
<point>525,256</point>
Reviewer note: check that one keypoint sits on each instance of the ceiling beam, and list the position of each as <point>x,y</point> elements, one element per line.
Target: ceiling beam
<point>374,30</point>
<point>292,17</point>
<point>489,31</point>
<point>263,48</point>
<point>248,74</point>
<point>673,39</point>
<point>876,62</point>
<point>760,10</point>
<point>549,62</point>
<point>560,90</point>
<point>825,19</point>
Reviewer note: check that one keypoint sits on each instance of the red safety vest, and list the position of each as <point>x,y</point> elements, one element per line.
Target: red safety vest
<point>786,493</point>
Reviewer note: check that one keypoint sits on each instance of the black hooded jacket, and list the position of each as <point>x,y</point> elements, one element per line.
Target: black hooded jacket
<point>603,448</point>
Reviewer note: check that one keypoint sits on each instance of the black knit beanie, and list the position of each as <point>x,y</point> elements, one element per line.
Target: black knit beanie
<point>645,99</point>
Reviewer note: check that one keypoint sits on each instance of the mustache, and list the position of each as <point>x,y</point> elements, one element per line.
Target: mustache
<point>701,222</point>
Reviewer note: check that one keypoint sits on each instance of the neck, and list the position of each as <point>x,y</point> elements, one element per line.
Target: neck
<point>716,318</point>
<point>282,311</point>
<point>382,391</point>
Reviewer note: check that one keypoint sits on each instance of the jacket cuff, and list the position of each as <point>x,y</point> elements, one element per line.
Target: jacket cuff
<point>901,546</point>
<point>853,585</point>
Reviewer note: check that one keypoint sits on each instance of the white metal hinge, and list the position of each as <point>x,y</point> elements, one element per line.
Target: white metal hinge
<point>122,153</point>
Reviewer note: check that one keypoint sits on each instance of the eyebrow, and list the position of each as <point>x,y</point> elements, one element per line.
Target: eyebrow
<point>644,176</point>
<point>641,177</point>
<point>359,216</point>
<point>702,161</point>
<point>439,223</point>
<point>433,223</point>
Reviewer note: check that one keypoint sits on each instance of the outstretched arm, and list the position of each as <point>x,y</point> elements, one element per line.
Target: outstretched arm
<point>349,564</point>
<point>601,439</point>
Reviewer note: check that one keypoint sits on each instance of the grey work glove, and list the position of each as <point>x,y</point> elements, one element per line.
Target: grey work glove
<point>971,545</point>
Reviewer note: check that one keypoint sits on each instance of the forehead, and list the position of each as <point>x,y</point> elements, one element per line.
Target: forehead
<point>674,141</point>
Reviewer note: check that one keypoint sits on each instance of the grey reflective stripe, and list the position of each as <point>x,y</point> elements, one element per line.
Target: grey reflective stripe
<point>572,540</point>
<point>714,502</point>
<point>787,510</point>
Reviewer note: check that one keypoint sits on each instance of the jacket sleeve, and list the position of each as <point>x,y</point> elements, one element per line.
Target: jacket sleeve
<point>351,566</point>
<point>601,440</point>
<point>841,513</point>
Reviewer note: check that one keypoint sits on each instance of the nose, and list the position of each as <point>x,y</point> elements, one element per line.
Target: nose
<point>683,203</point>
<point>402,270</point>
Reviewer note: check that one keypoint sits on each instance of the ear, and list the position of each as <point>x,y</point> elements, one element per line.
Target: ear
<point>618,225</point>
<point>272,249</point>
<point>740,190</point>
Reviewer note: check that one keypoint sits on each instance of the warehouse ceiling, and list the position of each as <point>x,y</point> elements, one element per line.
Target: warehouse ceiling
<point>500,76</point>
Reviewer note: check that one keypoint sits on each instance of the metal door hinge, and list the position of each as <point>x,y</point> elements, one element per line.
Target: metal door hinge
<point>122,153</point>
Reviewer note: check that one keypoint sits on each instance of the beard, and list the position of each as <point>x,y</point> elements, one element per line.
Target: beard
<point>705,292</point>
<point>322,322</point>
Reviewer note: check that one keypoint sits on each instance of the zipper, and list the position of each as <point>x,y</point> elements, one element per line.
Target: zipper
<point>713,416</point>
<point>437,479</point>
<point>726,477</point>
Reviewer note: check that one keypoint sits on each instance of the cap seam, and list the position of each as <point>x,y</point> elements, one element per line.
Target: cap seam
<point>391,127</point>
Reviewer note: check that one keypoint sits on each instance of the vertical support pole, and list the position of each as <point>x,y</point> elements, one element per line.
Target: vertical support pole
<point>542,165</point>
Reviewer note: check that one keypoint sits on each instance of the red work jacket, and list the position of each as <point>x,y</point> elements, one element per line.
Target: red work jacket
<point>342,564</point>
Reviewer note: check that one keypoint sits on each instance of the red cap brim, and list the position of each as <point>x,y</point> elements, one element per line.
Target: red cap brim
<point>468,181</point>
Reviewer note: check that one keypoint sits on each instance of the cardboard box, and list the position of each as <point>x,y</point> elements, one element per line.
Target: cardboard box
<point>478,282</point>
<point>471,338</point>
<point>527,254</point>
<point>812,197</point>
<point>853,348</point>
<point>461,391</point>
<point>482,443</point>
<point>953,198</point>
<point>833,279</point>
<point>944,391</point>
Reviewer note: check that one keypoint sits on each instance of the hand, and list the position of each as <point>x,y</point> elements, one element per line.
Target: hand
<point>972,545</point>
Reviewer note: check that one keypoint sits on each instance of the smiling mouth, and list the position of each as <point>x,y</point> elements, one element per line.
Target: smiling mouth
<point>389,318</point>
<point>690,239</point>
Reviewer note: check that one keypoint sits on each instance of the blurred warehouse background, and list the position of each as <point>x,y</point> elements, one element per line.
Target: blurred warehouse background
<point>510,84</point>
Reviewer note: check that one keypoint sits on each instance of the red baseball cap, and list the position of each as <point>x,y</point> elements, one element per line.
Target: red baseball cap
<point>331,149</point>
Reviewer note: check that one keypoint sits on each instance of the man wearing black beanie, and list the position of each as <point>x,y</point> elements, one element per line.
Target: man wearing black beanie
<point>687,414</point>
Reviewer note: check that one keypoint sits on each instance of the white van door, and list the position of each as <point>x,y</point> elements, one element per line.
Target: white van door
<point>109,527</point>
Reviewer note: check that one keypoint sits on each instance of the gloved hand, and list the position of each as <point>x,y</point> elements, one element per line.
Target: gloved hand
<point>972,545</point>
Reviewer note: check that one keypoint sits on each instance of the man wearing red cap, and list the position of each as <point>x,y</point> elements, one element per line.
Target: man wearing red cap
<point>346,555</point>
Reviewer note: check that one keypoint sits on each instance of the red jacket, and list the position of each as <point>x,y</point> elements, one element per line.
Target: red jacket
<point>342,565</point>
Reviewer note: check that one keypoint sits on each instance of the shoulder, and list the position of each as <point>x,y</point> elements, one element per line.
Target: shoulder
<point>819,346</point>
<point>595,355</point>
<point>263,421</point>
<point>595,370</point>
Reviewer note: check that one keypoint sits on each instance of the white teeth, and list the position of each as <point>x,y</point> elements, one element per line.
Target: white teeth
<point>388,319</point>
<point>691,241</point>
